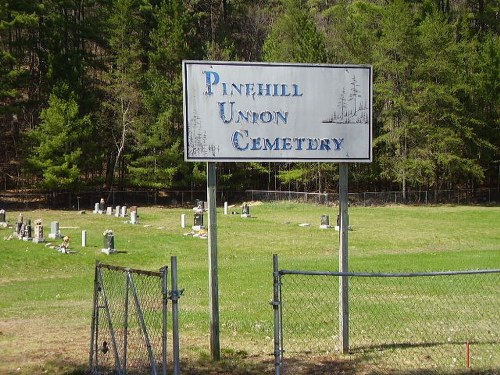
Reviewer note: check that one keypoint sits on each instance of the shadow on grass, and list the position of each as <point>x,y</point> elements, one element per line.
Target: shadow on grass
<point>240,363</point>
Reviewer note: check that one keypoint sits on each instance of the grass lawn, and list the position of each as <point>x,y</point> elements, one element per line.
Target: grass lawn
<point>46,296</point>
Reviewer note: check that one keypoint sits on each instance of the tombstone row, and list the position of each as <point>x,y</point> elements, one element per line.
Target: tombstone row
<point>119,211</point>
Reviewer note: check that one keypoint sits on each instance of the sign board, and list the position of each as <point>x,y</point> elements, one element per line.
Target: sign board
<point>236,111</point>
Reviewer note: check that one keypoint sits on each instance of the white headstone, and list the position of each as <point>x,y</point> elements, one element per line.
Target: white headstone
<point>124,211</point>
<point>117,211</point>
<point>109,210</point>
<point>225,208</point>
<point>54,230</point>
<point>84,238</point>
<point>183,220</point>
<point>96,208</point>
<point>133,217</point>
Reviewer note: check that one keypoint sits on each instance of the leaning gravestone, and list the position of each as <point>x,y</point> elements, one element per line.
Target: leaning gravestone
<point>109,242</point>
<point>38,238</point>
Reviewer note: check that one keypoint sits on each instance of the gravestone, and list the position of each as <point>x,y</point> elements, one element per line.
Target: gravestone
<point>102,206</point>
<point>54,230</point>
<point>109,242</point>
<point>96,208</point>
<point>183,221</point>
<point>245,211</point>
<point>84,238</point>
<point>198,221</point>
<point>2,216</point>
<point>325,222</point>
<point>27,231</point>
<point>38,238</point>
<point>133,217</point>
<point>225,208</point>
<point>117,211</point>
<point>109,210</point>
<point>123,211</point>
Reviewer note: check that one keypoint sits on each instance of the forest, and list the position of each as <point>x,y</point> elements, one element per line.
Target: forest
<point>91,90</point>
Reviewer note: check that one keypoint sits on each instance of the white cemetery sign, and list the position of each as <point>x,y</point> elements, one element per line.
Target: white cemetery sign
<point>276,112</point>
<point>235,111</point>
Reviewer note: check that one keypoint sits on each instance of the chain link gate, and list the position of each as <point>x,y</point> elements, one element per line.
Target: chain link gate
<point>439,322</point>
<point>129,321</point>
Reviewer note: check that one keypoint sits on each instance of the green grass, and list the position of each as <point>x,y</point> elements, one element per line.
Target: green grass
<point>49,294</point>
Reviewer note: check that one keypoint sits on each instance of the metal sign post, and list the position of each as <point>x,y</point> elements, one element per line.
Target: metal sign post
<point>213,279</point>
<point>343,259</point>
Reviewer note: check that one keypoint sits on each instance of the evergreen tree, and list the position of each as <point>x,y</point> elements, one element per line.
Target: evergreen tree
<point>395,60</point>
<point>158,160</point>
<point>57,154</point>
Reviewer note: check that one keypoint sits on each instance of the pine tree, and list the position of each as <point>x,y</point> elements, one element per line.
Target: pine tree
<point>57,155</point>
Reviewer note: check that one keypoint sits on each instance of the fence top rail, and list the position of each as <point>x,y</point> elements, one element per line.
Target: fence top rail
<point>367,274</point>
<point>127,269</point>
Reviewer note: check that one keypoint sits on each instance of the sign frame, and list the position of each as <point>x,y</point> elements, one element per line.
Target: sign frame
<point>289,119</point>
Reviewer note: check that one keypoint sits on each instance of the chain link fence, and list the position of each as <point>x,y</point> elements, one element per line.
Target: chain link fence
<point>129,321</point>
<point>437,322</point>
<point>462,196</point>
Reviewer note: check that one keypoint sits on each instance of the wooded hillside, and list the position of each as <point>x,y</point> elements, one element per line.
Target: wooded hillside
<point>91,90</point>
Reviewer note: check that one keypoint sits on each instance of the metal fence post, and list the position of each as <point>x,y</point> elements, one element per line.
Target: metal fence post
<point>125,322</point>
<point>277,318</point>
<point>164,329</point>
<point>175,316</point>
<point>93,330</point>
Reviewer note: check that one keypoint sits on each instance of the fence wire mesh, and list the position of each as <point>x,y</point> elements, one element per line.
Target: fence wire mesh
<point>128,325</point>
<point>442,322</point>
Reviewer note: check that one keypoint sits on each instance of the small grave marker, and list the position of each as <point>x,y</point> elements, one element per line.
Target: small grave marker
<point>84,238</point>
<point>133,217</point>
<point>183,220</point>
<point>96,208</point>
<point>27,231</point>
<point>124,211</point>
<point>54,230</point>
<point>38,238</point>
<point>117,211</point>
<point>198,221</point>
<point>325,222</point>
<point>245,211</point>
<point>102,206</point>
<point>109,210</point>
<point>109,242</point>
<point>2,216</point>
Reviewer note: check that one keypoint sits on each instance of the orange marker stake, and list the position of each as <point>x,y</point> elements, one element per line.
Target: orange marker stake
<point>467,354</point>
